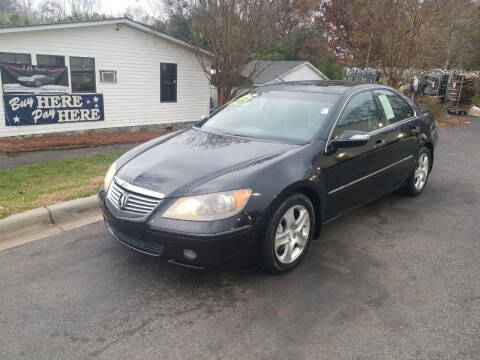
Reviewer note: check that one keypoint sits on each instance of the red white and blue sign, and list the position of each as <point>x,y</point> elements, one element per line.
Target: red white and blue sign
<point>23,110</point>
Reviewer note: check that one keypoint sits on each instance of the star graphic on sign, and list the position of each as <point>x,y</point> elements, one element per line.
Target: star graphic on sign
<point>16,119</point>
<point>96,105</point>
<point>95,99</point>
<point>88,101</point>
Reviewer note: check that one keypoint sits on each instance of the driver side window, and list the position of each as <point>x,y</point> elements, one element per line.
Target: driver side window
<point>360,114</point>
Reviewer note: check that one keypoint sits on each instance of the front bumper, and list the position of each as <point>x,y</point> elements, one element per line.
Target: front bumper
<point>211,249</point>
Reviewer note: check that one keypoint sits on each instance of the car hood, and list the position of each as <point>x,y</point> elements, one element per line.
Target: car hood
<point>192,157</point>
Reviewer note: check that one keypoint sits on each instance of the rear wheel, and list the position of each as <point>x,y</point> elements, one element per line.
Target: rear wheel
<point>288,234</point>
<point>418,179</point>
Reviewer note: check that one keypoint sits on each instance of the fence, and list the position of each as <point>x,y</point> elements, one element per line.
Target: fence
<point>432,83</point>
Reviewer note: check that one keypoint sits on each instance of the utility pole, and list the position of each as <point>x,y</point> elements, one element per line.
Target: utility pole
<point>368,54</point>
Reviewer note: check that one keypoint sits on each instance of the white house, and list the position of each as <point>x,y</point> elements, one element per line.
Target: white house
<point>269,72</point>
<point>143,76</point>
<point>265,72</point>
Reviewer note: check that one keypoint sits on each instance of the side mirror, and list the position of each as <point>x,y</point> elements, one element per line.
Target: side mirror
<point>351,138</point>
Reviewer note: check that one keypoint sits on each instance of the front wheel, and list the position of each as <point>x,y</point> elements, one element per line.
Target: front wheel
<point>288,234</point>
<point>418,178</point>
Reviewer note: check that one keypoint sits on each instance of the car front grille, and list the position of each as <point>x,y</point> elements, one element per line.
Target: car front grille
<point>143,245</point>
<point>136,201</point>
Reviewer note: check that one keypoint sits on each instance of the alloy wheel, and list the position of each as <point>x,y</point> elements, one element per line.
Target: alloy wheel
<point>292,234</point>
<point>421,171</point>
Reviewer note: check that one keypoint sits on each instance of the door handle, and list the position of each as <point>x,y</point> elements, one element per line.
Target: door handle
<point>415,130</point>
<point>379,143</point>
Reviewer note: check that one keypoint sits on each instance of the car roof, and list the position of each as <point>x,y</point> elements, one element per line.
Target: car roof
<point>323,86</point>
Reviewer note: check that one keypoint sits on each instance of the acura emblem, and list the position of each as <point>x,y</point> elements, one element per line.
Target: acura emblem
<point>122,200</point>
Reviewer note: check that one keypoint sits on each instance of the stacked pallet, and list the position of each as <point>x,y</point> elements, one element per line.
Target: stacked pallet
<point>461,93</point>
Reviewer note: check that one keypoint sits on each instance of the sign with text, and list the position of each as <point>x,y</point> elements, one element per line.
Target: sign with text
<point>34,79</point>
<point>21,110</point>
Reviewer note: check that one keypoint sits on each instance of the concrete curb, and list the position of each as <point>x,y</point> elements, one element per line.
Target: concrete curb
<point>71,214</point>
<point>38,223</point>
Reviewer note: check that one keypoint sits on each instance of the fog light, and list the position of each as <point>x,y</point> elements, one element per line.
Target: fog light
<point>189,254</point>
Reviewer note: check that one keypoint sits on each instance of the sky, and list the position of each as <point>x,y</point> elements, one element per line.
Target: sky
<point>117,7</point>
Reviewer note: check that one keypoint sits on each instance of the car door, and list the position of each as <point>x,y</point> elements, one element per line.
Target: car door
<point>354,175</point>
<point>398,129</point>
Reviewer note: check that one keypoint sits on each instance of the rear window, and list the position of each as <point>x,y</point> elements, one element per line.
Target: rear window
<point>279,115</point>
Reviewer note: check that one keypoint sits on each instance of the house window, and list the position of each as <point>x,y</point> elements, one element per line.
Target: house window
<point>14,58</point>
<point>50,60</point>
<point>168,82</point>
<point>82,72</point>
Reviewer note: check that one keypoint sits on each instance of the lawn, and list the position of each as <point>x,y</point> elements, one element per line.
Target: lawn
<point>49,182</point>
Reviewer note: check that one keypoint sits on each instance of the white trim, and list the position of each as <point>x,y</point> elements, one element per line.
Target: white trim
<point>73,24</point>
<point>118,21</point>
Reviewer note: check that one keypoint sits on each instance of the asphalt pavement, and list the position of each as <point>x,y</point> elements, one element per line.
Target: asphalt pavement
<point>396,279</point>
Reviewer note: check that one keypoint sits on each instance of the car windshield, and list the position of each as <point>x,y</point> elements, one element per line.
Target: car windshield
<point>277,115</point>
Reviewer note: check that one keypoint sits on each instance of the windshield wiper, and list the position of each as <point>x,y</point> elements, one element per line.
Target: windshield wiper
<point>243,136</point>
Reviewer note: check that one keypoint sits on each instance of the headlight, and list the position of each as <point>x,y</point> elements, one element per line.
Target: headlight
<point>109,176</point>
<point>209,207</point>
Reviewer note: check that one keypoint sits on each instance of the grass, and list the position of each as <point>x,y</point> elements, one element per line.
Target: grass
<point>49,182</point>
<point>476,101</point>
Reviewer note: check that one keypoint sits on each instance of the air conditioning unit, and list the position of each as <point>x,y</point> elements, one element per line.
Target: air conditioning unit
<point>108,76</point>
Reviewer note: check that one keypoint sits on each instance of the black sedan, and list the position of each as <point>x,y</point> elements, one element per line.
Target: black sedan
<point>258,178</point>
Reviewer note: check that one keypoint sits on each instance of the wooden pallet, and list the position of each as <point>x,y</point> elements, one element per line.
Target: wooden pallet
<point>461,93</point>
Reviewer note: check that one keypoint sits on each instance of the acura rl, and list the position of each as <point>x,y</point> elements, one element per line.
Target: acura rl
<point>258,178</point>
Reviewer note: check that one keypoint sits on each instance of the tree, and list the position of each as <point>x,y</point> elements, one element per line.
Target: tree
<point>52,10</point>
<point>394,35</point>
<point>315,48</point>
<point>474,62</point>
<point>9,6</point>
<point>84,8</point>
<point>291,15</point>
<point>461,28</point>
<point>137,13</point>
<point>179,25</point>
<point>232,30</point>
<point>28,8</point>
<point>13,12</point>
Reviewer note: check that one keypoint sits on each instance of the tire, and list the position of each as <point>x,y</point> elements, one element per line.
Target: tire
<point>285,226</point>
<point>417,181</point>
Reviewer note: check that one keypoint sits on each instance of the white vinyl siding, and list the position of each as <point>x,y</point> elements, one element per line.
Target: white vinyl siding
<point>303,72</point>
<point>136,56</point>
